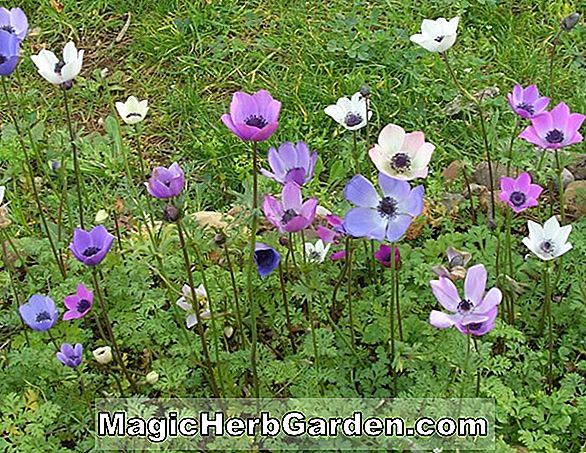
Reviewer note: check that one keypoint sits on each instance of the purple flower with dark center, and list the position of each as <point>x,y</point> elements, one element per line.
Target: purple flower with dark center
<point>39,313</point>
<point>292,162</point>
<point>383,217</point>
<point>384,253</point>
<point>266,258</point>
<point>78,304</point>
<point>475,313</point>
<point>69,355</point>
<point>166,182</point>
<point>9,53</point>
<point>290,214</point>
<point>555,129</point>
<point>14,21</point>
<point>519,193</point>
<point>253,117</point>
<point>90,248</point>
<point>526,102</point>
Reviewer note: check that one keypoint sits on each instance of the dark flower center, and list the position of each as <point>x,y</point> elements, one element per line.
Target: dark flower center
<point>527,107</point>
<point>43,316</point>
<point>314,255</point>
<point>352,119</point>
<point>287,216</point>
<point>439,38</point>
<point>3,59</point>
<point>387,207</point>
<point>475,326</point>
<point>401,162</point>
<point>465,306</point>
<point>91,251</point>
<point>547,246</point>
<point>131,114</point>
<point>83,305</point>
<point>264,258</point>
<point>166,182</point>
<point>59,66</point>
<point>518,198</point>
<point>257,121</point>
<point>555,136</point>
<point>9,28</point>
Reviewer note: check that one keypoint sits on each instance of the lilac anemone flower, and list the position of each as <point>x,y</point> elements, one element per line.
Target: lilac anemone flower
<point>383,217</point>
<point>69,355</point>
<point>9,53</point>
<point>253,117</point>
<point>526,102</point>
<point>519,193</point>
<point>78,304</point>
<point>384,253</point>
<point>39,313</point>
<point>266,258</point>
<point>292,162</point>
<point>91,247</point>
<point>473,314</point>
<point>555,129</point>
<point>166,182</point>
<point>14,21</point>
<point>290,214</point>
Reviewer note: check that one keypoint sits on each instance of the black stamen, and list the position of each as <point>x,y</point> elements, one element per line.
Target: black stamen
<point>59,66</point>
<point>83,305</point>
<point>401,162</point>
<point>9,28</point>
<point>287,216</point>
<point>527,107</point>
<point>43,316</point>
<point>555,136</point>
<point>353,119</point>
<point>439,38</point>
<point>547,246</point>
<point>264,257</point>
<point>91,251</point>
<point>465,306</point>
<point>518,198</point>
<point>257,121</point>
<point>387,207</point>
<point>131,114</point>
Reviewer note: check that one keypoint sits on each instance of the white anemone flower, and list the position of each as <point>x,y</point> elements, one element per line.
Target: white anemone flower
<point>316,253</point>
<point>548,241</point>
<point>103,355</point>
<point>185,303</point>
<point>437,35</point>
<point>132,111</point>
<point>350,113</point>
<point>59,72</point>
<point>2,192</point>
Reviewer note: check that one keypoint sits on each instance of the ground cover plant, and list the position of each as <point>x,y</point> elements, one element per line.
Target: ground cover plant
<point>239,199</point>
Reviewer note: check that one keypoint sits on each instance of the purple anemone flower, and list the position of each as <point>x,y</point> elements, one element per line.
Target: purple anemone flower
<point>90,248</point>
<point>526,102</point>
<point>379,218</point>
<point>475,313</point>
<point>69,355</point>
<point>266,258</point>
<point>14,21</point>
<point>292,162</point>
<point>519,193</point>
<point>253,117</point>
<point>39,313</point>
<point>166,182</point>
<point>383,256</point>
<point>9,53</point>
<point>333,234</point>
<point>78,304</point>
<point>555,129</point>
<point>290,214</point>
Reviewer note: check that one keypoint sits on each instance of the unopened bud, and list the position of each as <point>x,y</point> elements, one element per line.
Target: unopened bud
<point>152,377</point>
<point>220,239</point>
<point>228,331</point>
<point>365,91</point>
<point>283,241</point>
<point>171,213</point>
<point>103,355</point>
<point>570,21</point>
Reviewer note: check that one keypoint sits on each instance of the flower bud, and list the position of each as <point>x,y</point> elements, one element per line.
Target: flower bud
<point>228,331</point>
<point>152,377</point>
<point>67,85</point>
<point>365,91</point>
<point>55,165</point>
<point>570,21</point>
<point>171,213</point>
<point>103,355</point>
<point>283,241</point>
<point>101,216</point>
<point>219,239</point>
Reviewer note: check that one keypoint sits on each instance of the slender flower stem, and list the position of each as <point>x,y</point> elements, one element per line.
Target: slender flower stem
<point>108,324</point>
<point>392,322</point>
<point>143,174</point>
<point>291,246</point>
<point>469,190</point>
<point>196,309</point>
<point>466,360</point>
<point>302,234</point>
<point>396,288</point>
<point>343,272</point>
<point>511,145</point>
<point>314,341</point>
<point>552,60</point>
<point>547,286</point>
<point>286,306</point>
<point>509,256</point>
<point>236,296</point>
<point>355,152</point>
<point>117,230</point>
<point>37,198</point>
<point>560,172</point>
<point>349,253</point>
<point>478,371</point>
<point>74,150</point>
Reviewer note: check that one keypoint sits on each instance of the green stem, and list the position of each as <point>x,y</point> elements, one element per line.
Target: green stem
<point>547,302</point>
<point>349,288</point>
<point>236,296</point>
<point>465,369</point>
<point>334,307</point>
<point>478,371</point>
<point>511,144</point>
<point>560,172</point>
<point>552,60</point>
<point>396,288</point>
<point>286,306</point>
<point>392,325</point>
<point>510,305</point>
<point>314,341</point>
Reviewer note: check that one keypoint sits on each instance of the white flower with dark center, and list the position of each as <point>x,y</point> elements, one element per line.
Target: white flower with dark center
<point>316,253</point>
<point>437,35</point>
<point>548,241</point>
<point>132,111</point>
<point>185,302</point>
<point>59,72</point>
<point>2,192</point>
<point>350,113</point>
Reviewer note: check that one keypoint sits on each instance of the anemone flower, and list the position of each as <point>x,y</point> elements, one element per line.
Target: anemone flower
<point>14,21</point>
<point>78,304</point>
<point>185,303</point>
<point>132,111</point>
<point>548,241</point>
<point>457,262</point>
<point>253,117</point>
<point>59,72</point>
<point>555,129</point>
<point>377,217</point>
<point>473,314</point>
<point>69,355</point>
<point>266,259</point>
<point>437,35</point>
<point>39,313</point>
<point>91,247</point>
<point>292,162</point>
<point>350,113</point>
<point>2,192</point>
<point>519,193</point>
<point>166,182</point>
<point>401,155</point>
<point>384,253</point>
<point>9,53</point>
<point>526,102</point>
<point>316,253</point>
<point>103,355</point>
<point>290,214</point>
